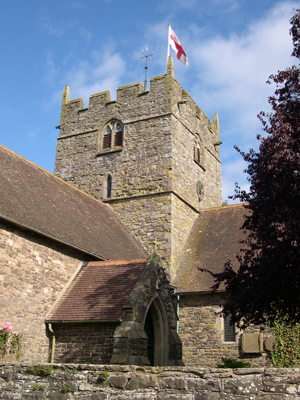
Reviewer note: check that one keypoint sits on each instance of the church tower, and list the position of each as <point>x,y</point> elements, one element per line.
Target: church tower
<point>153,156</point>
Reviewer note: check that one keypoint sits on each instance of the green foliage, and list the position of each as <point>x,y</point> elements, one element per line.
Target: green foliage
<point>231,363</point>
<point>66,388</point>
<point>10,342</point>
<point>41,370</point>
<point>38,387</point>
<point>16,344</point>
<point>71,371</point>
<point>286,352</point>
<point>103,377</point>
<point>4,337</point>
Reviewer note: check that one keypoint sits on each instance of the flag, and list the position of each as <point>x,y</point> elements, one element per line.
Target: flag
<point>176,46</point>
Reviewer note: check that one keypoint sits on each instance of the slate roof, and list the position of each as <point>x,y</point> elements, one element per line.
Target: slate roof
<point>98,292</point>
<point>214,239</point>
<point>38,200</point>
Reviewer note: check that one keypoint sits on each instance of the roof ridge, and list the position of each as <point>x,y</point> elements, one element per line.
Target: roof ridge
<point>224,207</point>
<point>117,262</point>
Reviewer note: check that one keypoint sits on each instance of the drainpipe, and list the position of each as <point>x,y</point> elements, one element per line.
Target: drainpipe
<point>174,293</point>
<point>52,343</point>
<point>177,312</point>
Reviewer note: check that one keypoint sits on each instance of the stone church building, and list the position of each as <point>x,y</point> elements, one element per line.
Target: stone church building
<point>99,263</point>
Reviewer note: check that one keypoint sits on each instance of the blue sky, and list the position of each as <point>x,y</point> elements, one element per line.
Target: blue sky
<point>95,45</point>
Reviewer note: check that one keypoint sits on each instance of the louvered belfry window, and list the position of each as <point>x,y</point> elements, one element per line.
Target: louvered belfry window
<point>118,135</point>
<point>107,138</point>
<point>112,136</point>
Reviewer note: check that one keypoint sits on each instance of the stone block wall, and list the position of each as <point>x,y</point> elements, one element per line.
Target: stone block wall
<point>183,218</point>
<point>33,272</point>
<point>189,127</point>
<point>147,219</point>
<point>159,222</point>
<point>98,382</point>
<point>201,329</point>
<point>84,343</point>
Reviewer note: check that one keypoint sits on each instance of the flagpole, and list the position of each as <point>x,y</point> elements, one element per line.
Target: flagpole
<point>168,53</point>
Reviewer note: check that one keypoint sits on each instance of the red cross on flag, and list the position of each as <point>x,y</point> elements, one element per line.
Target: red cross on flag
<point>176,46</point>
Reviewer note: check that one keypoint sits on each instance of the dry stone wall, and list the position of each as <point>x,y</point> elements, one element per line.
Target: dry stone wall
<point>34,271</point>
<point>98,382</point>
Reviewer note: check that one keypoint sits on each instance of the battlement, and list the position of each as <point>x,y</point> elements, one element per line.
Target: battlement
<point>164,97</point>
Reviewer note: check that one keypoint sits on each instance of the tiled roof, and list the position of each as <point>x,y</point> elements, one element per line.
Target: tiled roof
<point>36,199</point>
<point>213,240</point>
<point>99,291</point>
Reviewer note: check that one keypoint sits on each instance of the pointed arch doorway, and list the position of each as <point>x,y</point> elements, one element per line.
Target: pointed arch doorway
<point>155,328</point>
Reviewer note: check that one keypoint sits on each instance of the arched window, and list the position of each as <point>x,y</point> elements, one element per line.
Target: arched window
<point>108,187</point>
<point>112,137</point>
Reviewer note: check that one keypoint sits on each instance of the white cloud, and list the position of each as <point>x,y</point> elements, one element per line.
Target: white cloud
<point>50,27</point>
<point>86,34</point>
<point>199,7</point>
<point>232,81</point>
<point>233,71</point>
<point>102,72</point>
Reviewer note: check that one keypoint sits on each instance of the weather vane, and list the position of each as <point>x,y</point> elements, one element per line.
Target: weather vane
<point>146,56</point>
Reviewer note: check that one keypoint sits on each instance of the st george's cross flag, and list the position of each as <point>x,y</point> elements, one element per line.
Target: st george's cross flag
<point>176,46</point>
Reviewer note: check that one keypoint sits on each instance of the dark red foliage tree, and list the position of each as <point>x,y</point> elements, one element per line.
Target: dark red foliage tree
<point>268,278</point>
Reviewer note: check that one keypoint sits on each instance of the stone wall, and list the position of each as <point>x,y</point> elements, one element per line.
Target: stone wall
<point>147,218</point>
<point>201,329</point>
<point>33,272</point>
<point>84,343</point>
<point>187,127</point>
<point>183,218</point>
<point>98,382</point>
<point>161,223</point>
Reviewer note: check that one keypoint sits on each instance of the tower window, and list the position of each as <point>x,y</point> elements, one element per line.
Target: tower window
<point>107,138</point>
<point>108,187</point>
<point>199,152</point>
<point>118,135</point>
<point>112,137</point>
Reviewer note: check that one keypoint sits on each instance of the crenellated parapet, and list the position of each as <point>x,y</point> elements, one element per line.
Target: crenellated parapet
<point>132,103</point>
